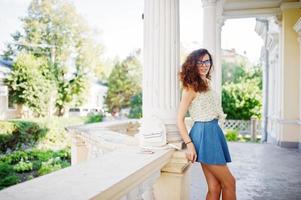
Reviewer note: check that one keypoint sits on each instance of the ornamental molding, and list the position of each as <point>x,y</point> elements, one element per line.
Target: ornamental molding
<point>297,26</point>
<point>206,3</point>
<point>272,41</point>
<point>290,5</point>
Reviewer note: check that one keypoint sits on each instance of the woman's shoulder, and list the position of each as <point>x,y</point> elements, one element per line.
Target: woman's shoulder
<point>190,92</point>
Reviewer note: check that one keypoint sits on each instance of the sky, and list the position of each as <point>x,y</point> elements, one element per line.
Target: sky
<point>119,26</point>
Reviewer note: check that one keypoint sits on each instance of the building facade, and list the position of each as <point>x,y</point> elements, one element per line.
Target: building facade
<point>278,22</point>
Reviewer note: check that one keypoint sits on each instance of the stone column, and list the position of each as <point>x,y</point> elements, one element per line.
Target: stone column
<point>272,79</point>
<point>212,24</point>
<point>218,59</point>
<point>161,92</point>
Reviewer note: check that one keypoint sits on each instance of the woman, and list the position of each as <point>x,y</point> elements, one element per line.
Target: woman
<point>205,142</point>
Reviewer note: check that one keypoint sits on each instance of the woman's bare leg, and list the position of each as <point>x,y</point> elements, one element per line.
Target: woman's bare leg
<point>214,186</point>
<point>224,176</point>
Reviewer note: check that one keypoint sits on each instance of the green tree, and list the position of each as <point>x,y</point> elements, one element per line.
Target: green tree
<point>28,85</point>
<point>136,106</point>
<point>53,29</point>
<point>242,90</point>
<point>121,87</point>
<point>242,100</point>
<point>237,73</point>
<point>124,85</point>
<point>232,72</point>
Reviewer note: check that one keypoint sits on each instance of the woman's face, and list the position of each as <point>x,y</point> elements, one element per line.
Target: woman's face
<point>203,65</point>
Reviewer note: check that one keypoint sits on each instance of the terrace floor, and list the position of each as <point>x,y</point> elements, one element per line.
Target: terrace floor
<point>262,171</point>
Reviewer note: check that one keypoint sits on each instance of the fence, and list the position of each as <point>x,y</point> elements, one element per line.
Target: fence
<point>245,127</point>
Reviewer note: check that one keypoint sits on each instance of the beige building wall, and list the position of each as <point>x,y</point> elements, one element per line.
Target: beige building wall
<point>290,128</point>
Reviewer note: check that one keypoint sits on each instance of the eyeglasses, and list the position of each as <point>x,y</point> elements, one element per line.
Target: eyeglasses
<point>205,62</point>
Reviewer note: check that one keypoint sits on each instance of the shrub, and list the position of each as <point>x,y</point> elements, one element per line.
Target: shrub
<point>232,135</point>
<point>48,168</point>
<point>63,154</point>
<point>14,157</point>
<point>7,175</point>
<point>20,135</point>
<point>23,166</point>
<point>29,177</point>
<point>5,169</point>
<point>6,135</point>
<point>242,100</point>
<point>41,155</point>
<point>52,165</point>
<point>28,164</point>
<point>94,118</point>
<point>9,180</point>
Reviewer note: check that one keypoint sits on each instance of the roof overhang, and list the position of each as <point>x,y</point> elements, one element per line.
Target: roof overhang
<point>256,8</point>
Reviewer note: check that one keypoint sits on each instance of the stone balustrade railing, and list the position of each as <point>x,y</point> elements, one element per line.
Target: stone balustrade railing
<point>119,170</point>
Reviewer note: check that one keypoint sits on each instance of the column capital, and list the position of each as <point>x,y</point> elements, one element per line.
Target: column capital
<point>220,21</point>
<point>272,41</point>
<point>278,20</point>
<point>297,28</point>
<point>206,3</point>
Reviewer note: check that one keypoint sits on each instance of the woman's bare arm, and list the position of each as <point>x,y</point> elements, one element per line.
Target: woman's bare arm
<point>187,96</point>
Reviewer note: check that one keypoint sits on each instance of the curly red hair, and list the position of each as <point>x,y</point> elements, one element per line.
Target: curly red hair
<point>189,75</point>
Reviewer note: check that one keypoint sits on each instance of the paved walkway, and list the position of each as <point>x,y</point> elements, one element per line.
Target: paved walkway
<point>262,171</point>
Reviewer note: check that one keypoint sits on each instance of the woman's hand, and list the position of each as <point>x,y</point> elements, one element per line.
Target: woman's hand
<point>191,153</point>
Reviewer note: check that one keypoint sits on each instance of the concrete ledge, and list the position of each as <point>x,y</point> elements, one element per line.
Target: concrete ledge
<point>108,177</point>
<point>115,125</point>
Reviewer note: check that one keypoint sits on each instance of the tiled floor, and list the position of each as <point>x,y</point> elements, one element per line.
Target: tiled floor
<point>262,171</point>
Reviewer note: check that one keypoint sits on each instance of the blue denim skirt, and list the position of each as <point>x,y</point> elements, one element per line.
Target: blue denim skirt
<point>209,142</point>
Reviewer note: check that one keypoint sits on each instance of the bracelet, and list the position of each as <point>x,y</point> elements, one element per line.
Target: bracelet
<point>187,142</point>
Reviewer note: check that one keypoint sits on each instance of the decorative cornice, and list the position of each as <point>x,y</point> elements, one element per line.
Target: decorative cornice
<point>290,5</point>
<point>260,27</point>
<point>277,19</point>
<point>257,12</point>
<point>272,41</point>
<point>245,5</point>
<point>206,3</point>
<point>220,19</point>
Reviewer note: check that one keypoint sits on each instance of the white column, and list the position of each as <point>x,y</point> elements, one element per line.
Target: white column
<point>161,94</point>
<point>212,24</point>
<point>217,75</point>
<point>273,68</point>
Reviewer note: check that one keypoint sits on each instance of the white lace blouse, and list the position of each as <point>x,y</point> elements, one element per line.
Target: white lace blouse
<point>206,106</point>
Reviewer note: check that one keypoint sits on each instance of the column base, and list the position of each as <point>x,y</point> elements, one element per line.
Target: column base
<point>285,144</point>
<point>173,183</point>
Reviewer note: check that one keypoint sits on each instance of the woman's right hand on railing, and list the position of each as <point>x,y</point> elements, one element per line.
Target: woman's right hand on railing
<point>191,153</point>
